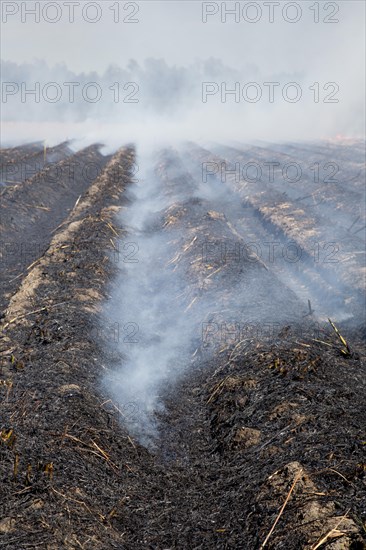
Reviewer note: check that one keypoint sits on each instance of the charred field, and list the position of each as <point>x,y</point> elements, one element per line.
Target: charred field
<point>259,438</point>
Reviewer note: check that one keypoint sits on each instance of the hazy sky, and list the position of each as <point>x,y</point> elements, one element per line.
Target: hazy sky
<point>174,30</point>
<point>325,42</point>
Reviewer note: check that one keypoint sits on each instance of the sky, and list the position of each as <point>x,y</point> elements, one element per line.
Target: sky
<point>174,30</point>
<point>305,42</point>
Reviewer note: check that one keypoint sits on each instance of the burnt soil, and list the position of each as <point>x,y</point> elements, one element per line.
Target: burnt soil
<point>260,422</point>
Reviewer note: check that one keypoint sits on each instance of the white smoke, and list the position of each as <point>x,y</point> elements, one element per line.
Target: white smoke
<point>152,296</point>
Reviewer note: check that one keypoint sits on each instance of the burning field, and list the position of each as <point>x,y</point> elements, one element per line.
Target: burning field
<point>182,359</point>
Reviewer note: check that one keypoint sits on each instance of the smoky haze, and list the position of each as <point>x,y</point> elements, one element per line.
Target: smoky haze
<point>204,100</point>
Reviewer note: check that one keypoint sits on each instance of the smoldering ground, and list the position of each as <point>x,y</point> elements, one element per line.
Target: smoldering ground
<point>161,91</point>
<point>183,290</point>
